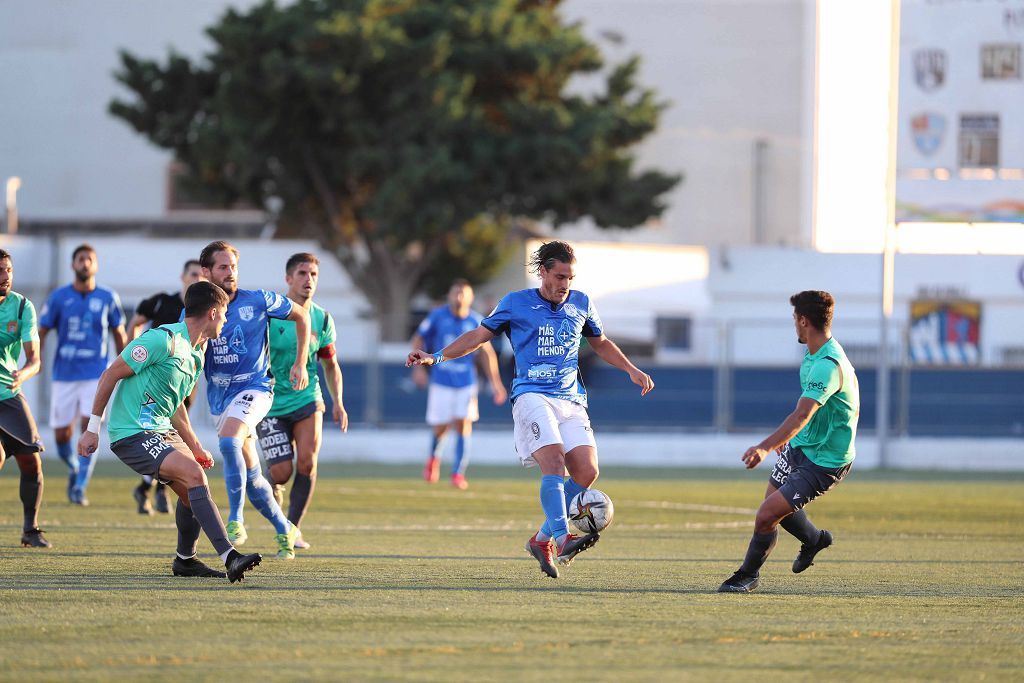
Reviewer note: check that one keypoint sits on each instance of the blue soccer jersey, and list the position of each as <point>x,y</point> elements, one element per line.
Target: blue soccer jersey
<point>438,330</point>
<point>240,359</point>
<point>83,321</point>
<point>546,339</point>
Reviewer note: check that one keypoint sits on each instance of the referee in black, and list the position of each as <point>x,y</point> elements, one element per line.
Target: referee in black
<point>161,309</point>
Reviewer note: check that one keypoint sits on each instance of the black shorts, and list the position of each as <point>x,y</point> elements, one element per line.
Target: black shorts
<point>800,480</point>
<point>18,432</point>
<point>145,452</point>
<point>276,434</point>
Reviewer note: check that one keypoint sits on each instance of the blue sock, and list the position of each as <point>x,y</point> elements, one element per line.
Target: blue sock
<point>552,500</point>
<point>571,489</point>
<point>461,454</point>
<point>85,468</point>
<point>234,476</point>
<point>64,452</point>
<point>262,497</point>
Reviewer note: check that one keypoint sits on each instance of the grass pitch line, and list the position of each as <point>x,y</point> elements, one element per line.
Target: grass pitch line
<point>511,497</point>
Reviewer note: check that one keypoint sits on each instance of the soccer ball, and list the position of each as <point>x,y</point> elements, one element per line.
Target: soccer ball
<point>591,511</point>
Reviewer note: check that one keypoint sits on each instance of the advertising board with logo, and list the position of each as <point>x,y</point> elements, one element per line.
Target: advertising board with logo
<point>945,332</point>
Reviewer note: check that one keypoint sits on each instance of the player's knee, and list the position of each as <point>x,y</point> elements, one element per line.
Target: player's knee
<point>62,434</point>
<point>307,467</point>
<point>281,472</point>
<point>194,476</point>
<point>765,521</point>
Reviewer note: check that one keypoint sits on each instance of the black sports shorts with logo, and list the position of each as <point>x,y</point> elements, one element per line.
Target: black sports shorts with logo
<point>145,452</point>
<point>800,480</point>
<point>276,433</point>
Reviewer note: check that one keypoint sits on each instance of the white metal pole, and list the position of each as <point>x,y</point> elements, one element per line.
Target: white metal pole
<point>889,248</point>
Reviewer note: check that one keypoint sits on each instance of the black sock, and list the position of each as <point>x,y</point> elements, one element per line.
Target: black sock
<point>209,518</point>
<point>188,530</point>
<point>800,525</point>
<point>298,499</point>
<point>757,552</point>
<point>31,491</point>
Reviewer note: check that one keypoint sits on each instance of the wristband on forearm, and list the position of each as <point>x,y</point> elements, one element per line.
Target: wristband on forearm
<point>438,358</point>
<point>94,424</point>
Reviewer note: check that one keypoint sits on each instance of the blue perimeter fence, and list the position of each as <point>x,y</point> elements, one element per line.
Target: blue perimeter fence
<point>924,401</point>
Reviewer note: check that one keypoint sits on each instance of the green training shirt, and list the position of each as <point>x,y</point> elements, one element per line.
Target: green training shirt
<point>17,326</point>
<point>828,378</point>
<point>166,369</point>
<point>282,357</point>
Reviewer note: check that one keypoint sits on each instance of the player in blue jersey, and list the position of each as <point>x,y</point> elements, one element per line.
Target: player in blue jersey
<point>84,316</point>
<point>240,389</point>
<point>452,396</point>
<point>549,402</point>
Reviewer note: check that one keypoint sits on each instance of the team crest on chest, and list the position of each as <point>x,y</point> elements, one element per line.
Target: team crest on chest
<point>246,312</point>
<point>95,305</point>
<point>571,310</point>
<point>12,326</point>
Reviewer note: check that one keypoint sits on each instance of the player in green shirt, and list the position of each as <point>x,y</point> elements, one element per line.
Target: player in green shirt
<point>293,427</point>
<point>814,444</point>
<point>150,430</point>
<point>19,436</point>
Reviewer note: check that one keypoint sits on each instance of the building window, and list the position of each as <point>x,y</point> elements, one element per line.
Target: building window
<point>674,334</point>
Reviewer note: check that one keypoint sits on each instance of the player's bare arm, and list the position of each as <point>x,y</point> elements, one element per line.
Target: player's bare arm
<point>183,425</point>
<point>299,376</point>
<point>117,371</point>
<point>463,346</point>
<point>31,367</point>
<point>805,409</point>
<point>135,325</point>
<point>610,353</point>
<point>419,373</point>
<point>489,359</point>
<point>335,386</point>
<point>120,338</point>
<point>43,331</point>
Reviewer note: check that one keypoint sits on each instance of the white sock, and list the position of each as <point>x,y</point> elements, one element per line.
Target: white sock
<point>224,557</point>
<point>190,557</point>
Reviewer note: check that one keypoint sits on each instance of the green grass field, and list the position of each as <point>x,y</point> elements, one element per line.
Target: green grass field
<point>411,582</point>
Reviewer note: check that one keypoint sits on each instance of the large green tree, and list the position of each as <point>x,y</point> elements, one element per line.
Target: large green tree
<point>399,132</point>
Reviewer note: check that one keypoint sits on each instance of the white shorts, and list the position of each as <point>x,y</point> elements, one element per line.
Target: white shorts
<point>71,400</point>
<point>447,404</point>
<point>542,421</point>
<point>250,406</point>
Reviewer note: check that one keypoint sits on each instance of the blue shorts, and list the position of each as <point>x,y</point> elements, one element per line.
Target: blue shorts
<point>800,480</point>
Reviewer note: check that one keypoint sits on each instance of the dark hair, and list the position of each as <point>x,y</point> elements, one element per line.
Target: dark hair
<point>79,249</point>
<point>201,297</point>
<point>460,282</point>
<point>816,306</point>
<point>4,254</point>
<point>206,257</point>
<point>190,262</point>
<point>548,253</point>
<point>302,257</point>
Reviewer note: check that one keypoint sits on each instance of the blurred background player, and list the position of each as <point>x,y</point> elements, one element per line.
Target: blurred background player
<point>83,314</point>
<point>294,425</point>
<point>239,389</point>
<point>18,434</point>
<point>815,444</point>
<point>549,403</point>
<point>151,433</point>
<point>161,309</point>
<point>452,396</point>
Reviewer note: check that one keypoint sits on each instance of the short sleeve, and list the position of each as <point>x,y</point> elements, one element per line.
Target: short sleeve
<point>115,318</point>
<point>593,327</point>
<point>824,379</point>
<point>498,320</point>
<point>330,334</point>
<point>277,306</point>
<point>149,348</point>
<point>29,327</point>
<point>147,307</point>
<point>49,318</point>
<point>426,325</point>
